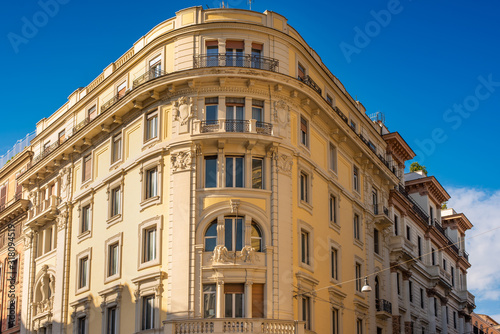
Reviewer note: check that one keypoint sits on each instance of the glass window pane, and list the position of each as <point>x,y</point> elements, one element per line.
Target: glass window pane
<point>229,305</point>
<point>257,174</point>
<point>209,301</point>
<point>239,179</point>
<point>229,172</point>
<point>238,307</point>
<point>211,113</point>
<point>211,172</point>
<point>257,114</point>
<point>239,234</point>
<point>228,234</point>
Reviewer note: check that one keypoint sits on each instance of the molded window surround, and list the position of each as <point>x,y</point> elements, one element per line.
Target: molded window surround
<point>150,242</point>
<point>147,177</point>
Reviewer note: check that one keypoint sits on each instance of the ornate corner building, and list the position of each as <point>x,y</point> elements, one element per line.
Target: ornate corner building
<point>218,178</point>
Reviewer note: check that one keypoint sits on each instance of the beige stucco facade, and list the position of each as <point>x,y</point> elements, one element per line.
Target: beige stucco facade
<point>218,177</point>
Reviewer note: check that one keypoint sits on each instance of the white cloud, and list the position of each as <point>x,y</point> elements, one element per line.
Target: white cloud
<point>482,242</point>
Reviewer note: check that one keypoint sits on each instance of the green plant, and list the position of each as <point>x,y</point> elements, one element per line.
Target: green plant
<point>415,166</point>
<point>444,206</point>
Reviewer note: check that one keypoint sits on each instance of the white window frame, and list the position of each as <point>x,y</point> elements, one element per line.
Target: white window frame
<point>146,166</point>
<point>87,253</point>
<point>305,227</point>
<point>356,181</point>
<point>146,285</point>
<point>303,169</point>
<point>88,201</point>
<point>333,158</point>
<point>307,144</point>
<point>117,239</point>
<point>148,115</point>
<point>118,183</point>
<point>112,146</point>
<point>155,222</point>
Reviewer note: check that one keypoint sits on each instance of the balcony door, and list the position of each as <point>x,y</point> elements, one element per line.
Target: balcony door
<point>235,114</point>
<point>234,300</point>
<point>212,53</point>
<point>234,53</point>
<point>256,55</point>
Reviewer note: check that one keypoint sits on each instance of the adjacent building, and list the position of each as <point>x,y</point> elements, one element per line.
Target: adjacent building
<point>219,178</point>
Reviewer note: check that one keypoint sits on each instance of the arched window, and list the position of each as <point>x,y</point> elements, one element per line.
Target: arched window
<point>256,238</point>
<point>377,288</point>
<point>211,237</point>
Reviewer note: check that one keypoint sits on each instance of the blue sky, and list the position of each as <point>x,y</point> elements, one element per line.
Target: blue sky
<point>417,65</point>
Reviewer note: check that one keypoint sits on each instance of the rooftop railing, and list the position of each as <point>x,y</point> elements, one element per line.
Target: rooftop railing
<point>242,60</point>
<point>18,147</point>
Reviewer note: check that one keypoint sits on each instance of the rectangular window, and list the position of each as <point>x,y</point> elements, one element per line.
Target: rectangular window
<point>121,90</point>
<point>211,110</point>
<point>85,223</point>
<point>258,111</point>
<point>304,187</point>
<point>376,242</point>
<point>408,232</point>
<point>235,114</point>
<point>419,247</point>
<point>375,201</point>
<point>304,247</point>
<point>92,112</point>
<point>433,256</point>
<point>82,324</point>
<point>234,300</point>
<point>209,300</point>
<point>301,72</point>
<point>155,67</point>
<point>452,277</point>
<point>211,171</point>
<point>111,327</point>
<point>234,53</point>
<point>116,201</point>
<point>359,326</point>
<point>359,284</point>
<point>257,173</point>
<point>61,137</point>
<point>410,291</point>
<point>84,267</point>
<point>454,319</point>
<point>233,234</point>
<point>152,182</point>
<point>333,158</point>
<point>396,225</point>
<point>333,209</point>
<point>421,298</point>
<point>435,307</point>
<point>398,284</point>
<point>117,148</point>
<point>444,264</point>
<point>149,244</point>
<point>335,321</point>
<point>353,125</point>
<point>212,53</point>
<point>355,178</point>
<point>334,263</point>
<point>234,172</point>
<point>356,227</point>
<point>329,99</point>
<point>151,125</point>
<point>304,132</point>
<point>148,314</point>
<point>13,268</point>
<point>3,195</point>
<point>447,315</point>
<point>113,259</point>
<point>256,56</point>
<point>431,213</point>
<point>306,311</point>
<point>87,167</point>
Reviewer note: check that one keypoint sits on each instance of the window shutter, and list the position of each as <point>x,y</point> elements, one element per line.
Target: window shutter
<point>234,288</point>
<point>257,46</point>
<point>258,300</point>
<point>235,45</point>
<point>303,125</point>
<point>3,195</point>
<point>87,167</point>
<point>212,43</point>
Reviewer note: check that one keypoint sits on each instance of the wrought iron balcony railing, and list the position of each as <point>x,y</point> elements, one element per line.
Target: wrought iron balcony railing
<point>147,76</point>
<point>383,305</point>
<point>310,82</point>
<point>379,209</point>
<point>232,125</point>
<point>248,61</point>
<point>416,207</point>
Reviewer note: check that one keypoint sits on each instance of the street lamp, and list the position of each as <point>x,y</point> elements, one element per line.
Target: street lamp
<point>366,287</point>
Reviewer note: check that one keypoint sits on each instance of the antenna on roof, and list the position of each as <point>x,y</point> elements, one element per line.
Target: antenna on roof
<point>250,4</point>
